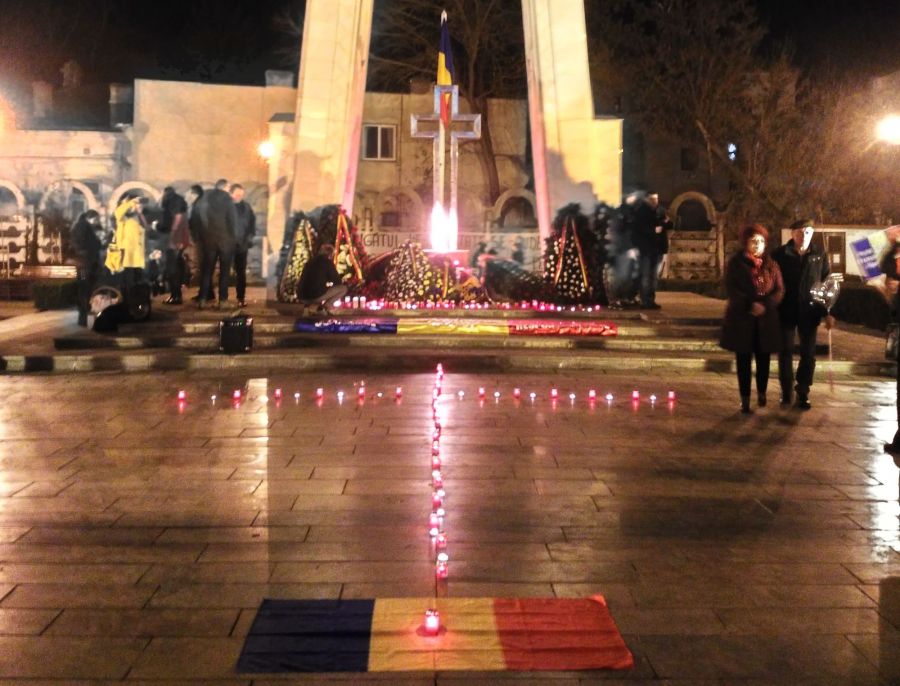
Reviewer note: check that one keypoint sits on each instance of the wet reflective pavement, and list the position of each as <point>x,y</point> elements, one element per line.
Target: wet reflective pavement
<point>138,536</point>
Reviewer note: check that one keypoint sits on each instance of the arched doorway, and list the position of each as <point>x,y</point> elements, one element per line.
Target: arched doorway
<point>144,189</point>
<point>67,198</point>
<point>515,211</point>
<point>694,245</point>
<point>12,200</point>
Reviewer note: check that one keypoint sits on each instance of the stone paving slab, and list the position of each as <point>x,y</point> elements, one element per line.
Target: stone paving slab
<point>138,539</point>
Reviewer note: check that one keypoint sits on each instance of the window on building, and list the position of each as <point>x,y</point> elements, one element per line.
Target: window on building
<point>690,159</point>
<point>378,142</point>
<point>732,152</point>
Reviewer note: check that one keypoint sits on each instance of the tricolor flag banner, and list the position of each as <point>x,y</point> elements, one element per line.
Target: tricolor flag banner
<point>477,634</point>
<point>445,74</point>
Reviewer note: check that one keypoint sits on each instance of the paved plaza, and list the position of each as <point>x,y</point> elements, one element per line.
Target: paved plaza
<point>139,537</point>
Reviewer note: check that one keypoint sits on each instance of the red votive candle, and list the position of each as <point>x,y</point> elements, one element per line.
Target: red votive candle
<point>432,622</point>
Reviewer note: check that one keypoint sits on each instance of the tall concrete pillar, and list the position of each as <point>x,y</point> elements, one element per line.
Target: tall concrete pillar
<point>577,157</point>
<point>330,93</point>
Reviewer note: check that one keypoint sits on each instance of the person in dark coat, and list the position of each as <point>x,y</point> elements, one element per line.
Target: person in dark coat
<point>86,247</point>
<point>217,231</point>
<point>246,232</point>
<point>650,229</point>
<point>196,253</point>
<point>320,283</point>
<point>174,223</point>
<point>803,266</point>
<point>751,327</point>
<point>890,267</point>
<point>620,271</point>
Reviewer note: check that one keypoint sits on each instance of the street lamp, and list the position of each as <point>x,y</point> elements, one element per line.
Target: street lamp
<point>889,132</point>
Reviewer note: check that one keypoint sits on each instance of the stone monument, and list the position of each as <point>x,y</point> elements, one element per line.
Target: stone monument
<point>577,157</point>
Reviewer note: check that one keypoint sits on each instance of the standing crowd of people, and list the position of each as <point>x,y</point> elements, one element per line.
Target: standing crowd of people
<point>769,307</point>
<point>636,242</point>
<point>182,238</point>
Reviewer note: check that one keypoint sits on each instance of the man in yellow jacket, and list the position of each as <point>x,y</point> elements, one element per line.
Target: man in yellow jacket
<point>129,240</point>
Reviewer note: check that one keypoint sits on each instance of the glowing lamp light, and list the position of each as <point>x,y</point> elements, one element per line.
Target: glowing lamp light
<point>441,512</point>
<point>441,541</point>
<point>533,396</point>
<point>554,393</point>
<point>278,393</point>
<point>237,395</point>
<point>340,395</point>
<point>436,435</point>
<point>296,396</point>
<point>497,394</point>
<point>432,622</point>
<point>264,398</point>
<point>213,398</point>
<point>462,395</point>
<point>435,462</point>
<point>320,392</point>
<point>444,229</point>
<point>889,129</point>
<point>437,478</point>
<point>436,502</point>
<point>609,397</point>
<point>182,395</point>
<point>266,150</point>
<point>434,521</point>
<point>517,393</point>
<point>572,397</point>
<point>671,395</point>
<point>652,398</point>
<point>362,392</point>
<point>635,395</point>
<point>481,392</point>
<point>435,394</point>
<point>399,392</point>
<point>592,394</point>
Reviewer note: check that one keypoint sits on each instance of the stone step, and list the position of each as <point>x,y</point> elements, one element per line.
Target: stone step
<point>210,342</point>
<point>408,359</point>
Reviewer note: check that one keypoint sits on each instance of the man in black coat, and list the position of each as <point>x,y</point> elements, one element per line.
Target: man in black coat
<point>650,236</point>
<point>173,223</point>
<point>216,225</point>
<point>86,247</point>
<point>246,232</point>
<point>320,283</point>
<point>890,267</point>
<point>803,267</point>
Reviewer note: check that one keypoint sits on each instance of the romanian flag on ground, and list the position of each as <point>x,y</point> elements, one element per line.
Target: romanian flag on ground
<point>477,634</point>
<point>445,73</point>
<point>461,327</point>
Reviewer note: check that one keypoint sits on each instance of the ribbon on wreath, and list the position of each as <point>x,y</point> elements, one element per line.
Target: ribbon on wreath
<point>343,232</point>
<point>570,225</point>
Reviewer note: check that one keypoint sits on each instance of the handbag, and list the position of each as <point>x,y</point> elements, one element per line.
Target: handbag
<point>114,256</point>
<point>892,346</point>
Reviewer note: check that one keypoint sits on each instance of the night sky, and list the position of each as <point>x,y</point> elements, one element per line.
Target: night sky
<point>234,41</point>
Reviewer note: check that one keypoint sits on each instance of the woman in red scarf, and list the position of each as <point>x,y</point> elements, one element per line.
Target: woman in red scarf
<point>751,327</point>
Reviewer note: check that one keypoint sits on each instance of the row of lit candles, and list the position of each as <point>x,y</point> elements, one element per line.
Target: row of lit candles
<point>361,393</point>
<point>360,303</point>
<point>436,518</point>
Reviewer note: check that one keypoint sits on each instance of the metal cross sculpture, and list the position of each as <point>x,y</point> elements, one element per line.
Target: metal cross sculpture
<point>439,136</point>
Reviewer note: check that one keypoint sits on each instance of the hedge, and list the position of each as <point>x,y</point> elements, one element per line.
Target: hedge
<point>857,304</point>
<point>55,295</point>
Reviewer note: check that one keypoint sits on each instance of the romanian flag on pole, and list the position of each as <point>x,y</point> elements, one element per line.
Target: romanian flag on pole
<point>445,74</point>
<point>476,634</point>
